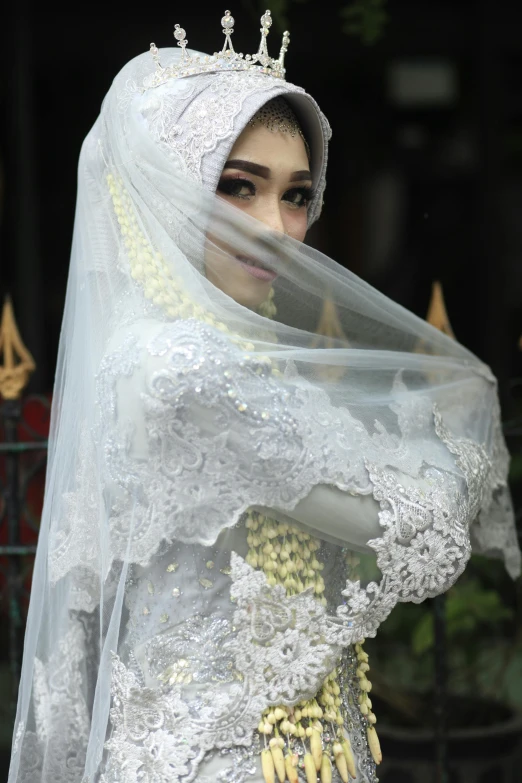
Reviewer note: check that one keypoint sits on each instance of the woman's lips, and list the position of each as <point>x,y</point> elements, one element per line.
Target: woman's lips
<point>260,273</point>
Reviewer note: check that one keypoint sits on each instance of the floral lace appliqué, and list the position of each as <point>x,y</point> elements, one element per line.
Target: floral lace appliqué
<point>282,648</point>
<point>56,749</point>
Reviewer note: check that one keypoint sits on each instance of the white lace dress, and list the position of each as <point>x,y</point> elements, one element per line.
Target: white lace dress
<point>209,642</point>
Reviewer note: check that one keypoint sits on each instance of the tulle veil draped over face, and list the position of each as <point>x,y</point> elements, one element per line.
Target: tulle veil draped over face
<point>177,412</point>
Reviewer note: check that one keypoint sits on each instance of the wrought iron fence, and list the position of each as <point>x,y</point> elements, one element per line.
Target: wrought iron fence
<point>23,449</point>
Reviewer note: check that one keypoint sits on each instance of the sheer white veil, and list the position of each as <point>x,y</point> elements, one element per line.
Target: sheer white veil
<point>176,409</point>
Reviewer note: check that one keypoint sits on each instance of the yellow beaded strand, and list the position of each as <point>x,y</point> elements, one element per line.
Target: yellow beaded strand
<point>287,555</point>
<point>148,268</point>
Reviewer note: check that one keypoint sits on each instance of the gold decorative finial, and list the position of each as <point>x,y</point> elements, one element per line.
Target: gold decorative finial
<point>17,362</point>
<point>437,315</point>
<point>329,332</point>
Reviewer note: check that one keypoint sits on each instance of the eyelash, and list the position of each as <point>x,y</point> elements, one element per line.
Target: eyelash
<point>232,185</point>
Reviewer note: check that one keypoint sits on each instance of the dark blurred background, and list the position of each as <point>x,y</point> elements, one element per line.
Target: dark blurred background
<point>425,177</point>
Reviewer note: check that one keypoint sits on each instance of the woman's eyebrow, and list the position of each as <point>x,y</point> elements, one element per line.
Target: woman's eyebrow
<point>298,176</point>
<point>248,166</point>
<point>263,171</point>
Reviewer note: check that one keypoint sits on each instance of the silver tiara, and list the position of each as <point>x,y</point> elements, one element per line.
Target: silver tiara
<point>225,60</point>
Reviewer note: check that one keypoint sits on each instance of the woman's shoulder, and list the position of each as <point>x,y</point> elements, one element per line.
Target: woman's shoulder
<point>187,359</point>
<point>160,338</point>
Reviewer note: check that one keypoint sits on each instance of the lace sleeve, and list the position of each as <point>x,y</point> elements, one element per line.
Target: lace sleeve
<point>493,532</point>
<point>195,431</point>
<point>210,431</point>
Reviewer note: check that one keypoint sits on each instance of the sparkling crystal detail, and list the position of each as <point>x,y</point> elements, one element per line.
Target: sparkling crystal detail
<point>225,60</point>
<point>227,23</point>
<point>179,33</point>
<point>266,22</point>
<point>284,48</point>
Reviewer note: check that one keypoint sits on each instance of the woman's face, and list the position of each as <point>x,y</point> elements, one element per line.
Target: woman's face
<point>266,175</point>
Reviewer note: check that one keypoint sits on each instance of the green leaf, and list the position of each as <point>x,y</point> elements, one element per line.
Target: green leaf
<point>515,469</point>
<point>365,18</point>
<point>423,635</point>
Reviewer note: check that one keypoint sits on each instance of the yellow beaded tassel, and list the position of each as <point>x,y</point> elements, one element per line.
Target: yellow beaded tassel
<point>365,704</point>
<point>149,269</point>
<point>287,555</point>
<point>268,308</point>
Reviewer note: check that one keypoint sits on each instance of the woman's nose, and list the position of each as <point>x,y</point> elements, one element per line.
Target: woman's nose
<point>271,215</point>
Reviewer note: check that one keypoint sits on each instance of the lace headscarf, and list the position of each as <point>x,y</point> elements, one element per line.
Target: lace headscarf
<point>180,417</point>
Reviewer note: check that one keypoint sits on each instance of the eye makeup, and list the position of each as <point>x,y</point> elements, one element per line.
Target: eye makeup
<point>299,197</point>
<point>237,187</point>
<point>242,188</point>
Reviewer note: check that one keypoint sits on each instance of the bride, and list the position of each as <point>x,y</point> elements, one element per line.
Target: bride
<point>233,502</point>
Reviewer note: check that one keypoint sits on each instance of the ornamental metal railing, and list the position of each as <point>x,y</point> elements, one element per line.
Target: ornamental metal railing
<point>24,423</point>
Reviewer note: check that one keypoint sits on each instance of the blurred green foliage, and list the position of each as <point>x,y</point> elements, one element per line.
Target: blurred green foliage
<point>483,621</point>
<point>484,639</point>
<point>470,608</point>
<point>364,19</point>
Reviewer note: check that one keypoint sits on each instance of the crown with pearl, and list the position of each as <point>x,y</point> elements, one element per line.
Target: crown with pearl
<point>225,60</point>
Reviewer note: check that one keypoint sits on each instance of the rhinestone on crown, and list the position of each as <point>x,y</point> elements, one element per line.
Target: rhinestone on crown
<point>225,60</point>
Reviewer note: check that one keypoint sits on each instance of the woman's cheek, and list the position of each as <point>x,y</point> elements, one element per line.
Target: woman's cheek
<point>297,224</point>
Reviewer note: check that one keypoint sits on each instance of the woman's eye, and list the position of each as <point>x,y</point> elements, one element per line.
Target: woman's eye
<point>237,188</point>
<point>298,197</point>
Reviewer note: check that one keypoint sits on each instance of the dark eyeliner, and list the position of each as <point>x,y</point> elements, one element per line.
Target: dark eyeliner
<point>231,186</point>
<point>307,194</point>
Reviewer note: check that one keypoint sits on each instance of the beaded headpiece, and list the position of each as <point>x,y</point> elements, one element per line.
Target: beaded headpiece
<point>225,60</point>
<point>277,115</point>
